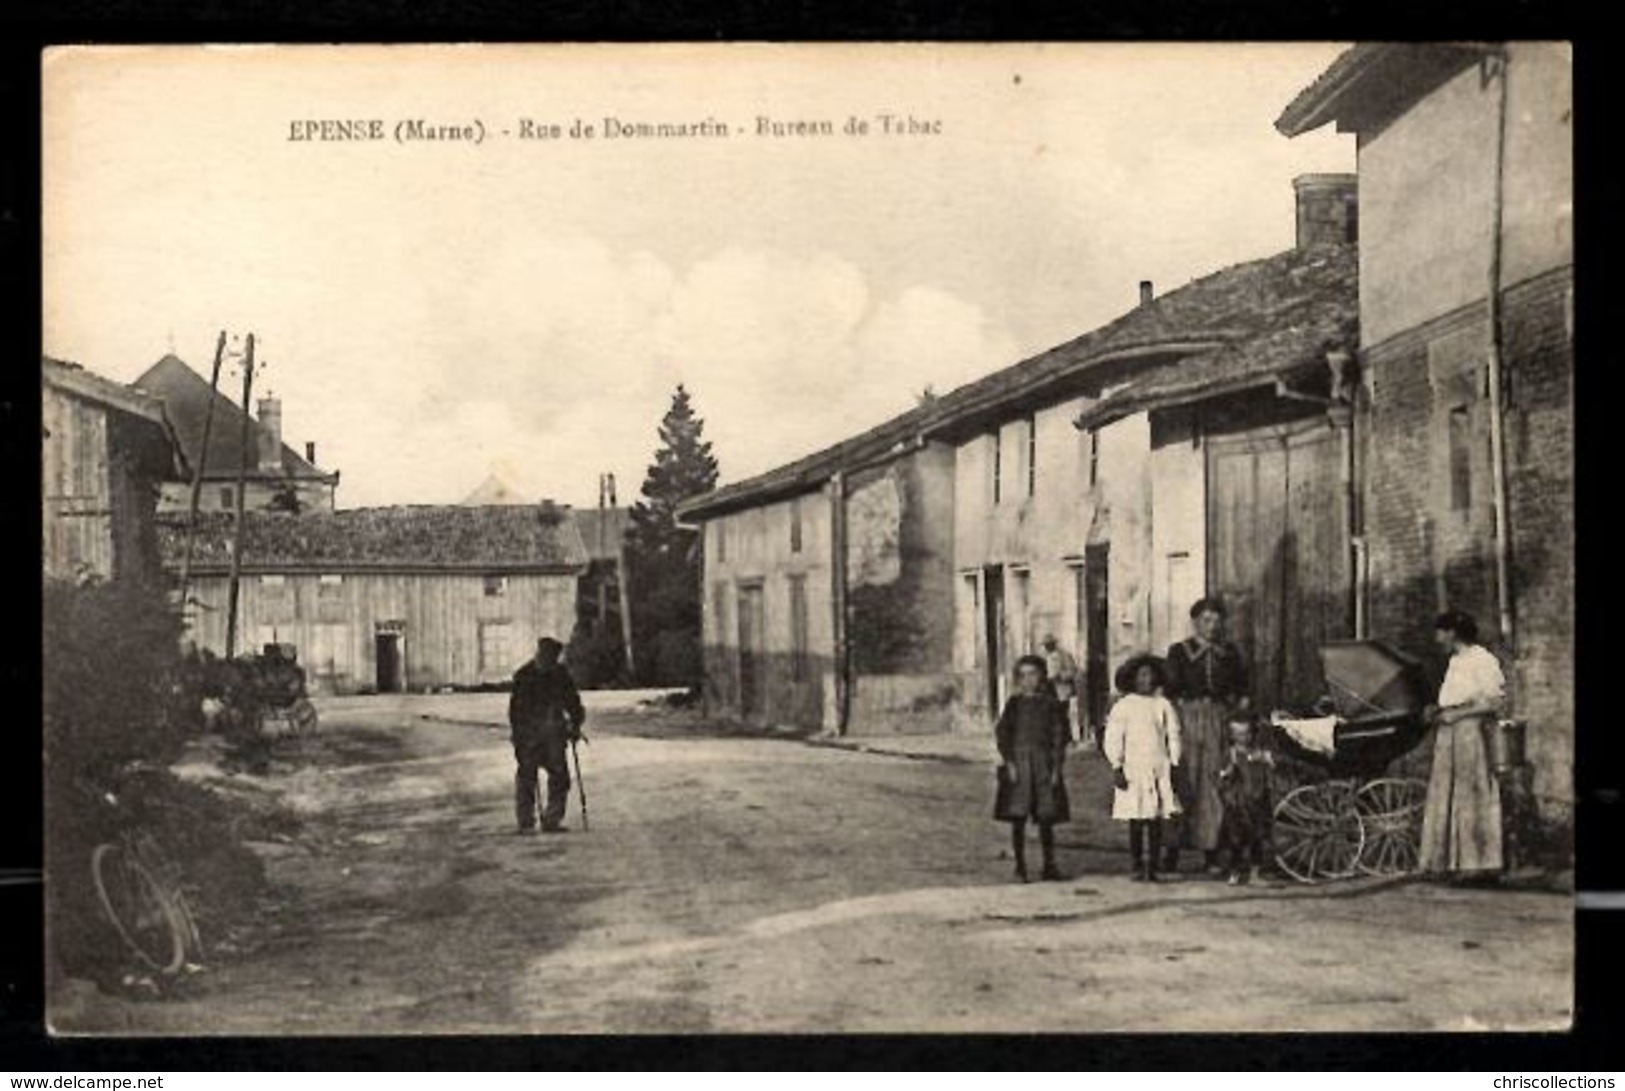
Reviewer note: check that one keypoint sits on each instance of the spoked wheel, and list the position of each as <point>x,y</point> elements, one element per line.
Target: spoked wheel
<point>1391,810</point>
<point>302,715</point>
<point>1319,833</point>
<point>138,907</point>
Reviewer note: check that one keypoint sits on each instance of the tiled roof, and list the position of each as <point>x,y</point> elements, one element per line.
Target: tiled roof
<point>1373,82</point>
<point>448,537</point>
<point>186,397</point>
<point>1251,306</point>
<point>1315,309</point>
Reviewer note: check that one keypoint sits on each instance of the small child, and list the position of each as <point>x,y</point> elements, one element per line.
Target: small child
<point>1244,787</point>
<point>1142,745</point>
<point>1032,734</point>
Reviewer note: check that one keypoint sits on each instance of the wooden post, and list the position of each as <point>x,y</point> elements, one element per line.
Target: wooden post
<point>843,673</point>
<point>624,586</point>
<point>242,482</point>
<point>197,471</point>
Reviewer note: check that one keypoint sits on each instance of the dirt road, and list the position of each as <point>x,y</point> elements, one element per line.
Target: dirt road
<point>747,884</point>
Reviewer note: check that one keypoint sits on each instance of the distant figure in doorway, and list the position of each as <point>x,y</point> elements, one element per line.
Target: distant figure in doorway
<point>1461,826</point>
<point>1142,743</point>
<point>1031,735</point>
<point>1063,676</point>
<point>1249,808</point>
<point>545,715</point>
<point>1208,683</point>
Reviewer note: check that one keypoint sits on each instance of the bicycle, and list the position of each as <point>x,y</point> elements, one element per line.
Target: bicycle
<point>141,894</point>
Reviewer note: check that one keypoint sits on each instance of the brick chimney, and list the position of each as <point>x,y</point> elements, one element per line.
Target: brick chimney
<point>270,418</point>
<point>1147,292</point>
<point>1328,209</point>
<point>310,452</point>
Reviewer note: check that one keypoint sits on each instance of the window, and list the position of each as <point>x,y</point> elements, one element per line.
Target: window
<point>1021,613</point>
<point>970,613</point>
<point>1032,455</point>
<point>276,601</point>
<point>228,498</point>
<point>1461,458</point>
<point>330,592</point>
<point>496,652</point>
<point>795,525</point>
<point>1094,456</point>
<point>798,629</point>
<point>496,586</point>
<point>998,466</point>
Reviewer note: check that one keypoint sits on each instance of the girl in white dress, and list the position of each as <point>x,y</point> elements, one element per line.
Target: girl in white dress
<point>1142,745</point>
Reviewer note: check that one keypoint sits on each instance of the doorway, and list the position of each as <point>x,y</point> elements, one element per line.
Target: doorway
<point>1097,683</point>
<point>391,666</point>
<point>993,634</point>
<point>751,623</point>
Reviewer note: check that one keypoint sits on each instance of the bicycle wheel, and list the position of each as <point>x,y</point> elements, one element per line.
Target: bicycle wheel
<point>139,908</point>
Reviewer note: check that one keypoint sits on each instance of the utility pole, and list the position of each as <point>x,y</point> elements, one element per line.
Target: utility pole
<point>197,471</point>
<point>242,482</point>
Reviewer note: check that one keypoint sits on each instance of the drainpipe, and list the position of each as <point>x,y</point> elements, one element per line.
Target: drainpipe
<point>837,579</point>
<point>1341,414</point>
<point>1503,583</point>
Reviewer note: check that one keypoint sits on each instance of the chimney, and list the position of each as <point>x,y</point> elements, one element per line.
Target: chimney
<point>310,453</point>
<point>1146,292</point>
<point>1328,209</point>
<point>270,417</point>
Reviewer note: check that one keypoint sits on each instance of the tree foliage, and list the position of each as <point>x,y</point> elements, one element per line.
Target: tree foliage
<point>663,556</point>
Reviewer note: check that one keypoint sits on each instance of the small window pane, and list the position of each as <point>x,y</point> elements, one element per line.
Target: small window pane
<point>496,586</point>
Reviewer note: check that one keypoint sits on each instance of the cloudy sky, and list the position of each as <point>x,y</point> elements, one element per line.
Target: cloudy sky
<point>432,313</point>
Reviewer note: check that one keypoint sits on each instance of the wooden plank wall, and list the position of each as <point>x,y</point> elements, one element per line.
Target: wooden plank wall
<point>77,503</point>
<point>441,615</point>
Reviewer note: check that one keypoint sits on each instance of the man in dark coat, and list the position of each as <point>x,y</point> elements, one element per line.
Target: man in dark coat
<point>545,715</point>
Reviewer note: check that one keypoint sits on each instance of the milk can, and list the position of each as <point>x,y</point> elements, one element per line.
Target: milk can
<point>1506,743</point>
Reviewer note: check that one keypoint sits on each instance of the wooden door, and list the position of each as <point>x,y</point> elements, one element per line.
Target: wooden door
<point>387,645</point>
<point>751,623</point>
<point>1278,552</point>
<point>993,632</point>
<point>1097,682</point>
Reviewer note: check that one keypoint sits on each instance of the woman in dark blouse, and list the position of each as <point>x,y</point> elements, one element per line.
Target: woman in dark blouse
<point>1208,682</point>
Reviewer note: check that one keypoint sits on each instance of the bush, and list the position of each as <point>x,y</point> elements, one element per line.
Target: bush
<point>116,687</point>
<point>677,659</point>
<point>597,659</point>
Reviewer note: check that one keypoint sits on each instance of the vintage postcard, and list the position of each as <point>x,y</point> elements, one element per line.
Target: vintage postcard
<point>788,538</point>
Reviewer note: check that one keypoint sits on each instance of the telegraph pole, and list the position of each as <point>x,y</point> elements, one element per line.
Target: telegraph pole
<point>197,471</point>
<point>242,482</point>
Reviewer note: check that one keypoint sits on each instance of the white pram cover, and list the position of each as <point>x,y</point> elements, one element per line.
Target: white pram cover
<point>1317,733</point>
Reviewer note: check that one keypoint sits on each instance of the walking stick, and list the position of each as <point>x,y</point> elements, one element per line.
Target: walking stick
<point>581,785</point>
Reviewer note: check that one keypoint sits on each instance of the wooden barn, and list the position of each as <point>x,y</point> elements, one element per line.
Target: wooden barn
<point>383,600</point>
<point>106,451</point>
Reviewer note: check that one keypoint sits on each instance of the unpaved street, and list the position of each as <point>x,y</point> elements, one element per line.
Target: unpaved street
<point>750,884</point>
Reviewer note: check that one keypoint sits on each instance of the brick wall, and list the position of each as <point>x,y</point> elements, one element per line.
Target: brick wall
<point>1424,556</point>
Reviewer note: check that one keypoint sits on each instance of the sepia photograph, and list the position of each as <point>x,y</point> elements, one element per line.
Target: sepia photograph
<point>820,539</point>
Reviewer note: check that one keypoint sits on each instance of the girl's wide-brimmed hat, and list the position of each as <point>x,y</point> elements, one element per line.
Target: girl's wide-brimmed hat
<point>1124,678</point>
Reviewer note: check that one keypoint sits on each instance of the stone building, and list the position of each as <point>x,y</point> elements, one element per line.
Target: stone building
<point>888,583</point>
<point>276,477</point>
<point>1465,398</point>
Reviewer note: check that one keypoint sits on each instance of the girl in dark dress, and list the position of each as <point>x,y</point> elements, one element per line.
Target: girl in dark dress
<point>1032,734</point>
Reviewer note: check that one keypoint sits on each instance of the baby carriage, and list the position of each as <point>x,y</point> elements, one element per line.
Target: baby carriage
<point>1346,815</point>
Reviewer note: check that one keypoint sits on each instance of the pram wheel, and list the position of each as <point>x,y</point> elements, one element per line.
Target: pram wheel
<point>1391,810</point>
<point>1319,832</point>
